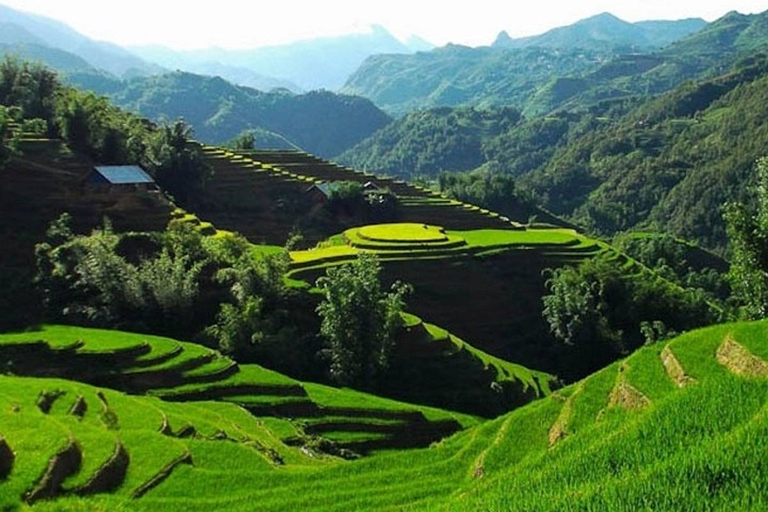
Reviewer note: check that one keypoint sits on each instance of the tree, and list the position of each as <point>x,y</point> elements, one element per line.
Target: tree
<point>177,166</point>
<point>358,320</point>
<point>748,238</point>
<point>603,312</point>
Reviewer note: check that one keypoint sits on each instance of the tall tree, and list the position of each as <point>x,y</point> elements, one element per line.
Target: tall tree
<point>748,237</point>
<point>177,165</point>
<point>359,319</point>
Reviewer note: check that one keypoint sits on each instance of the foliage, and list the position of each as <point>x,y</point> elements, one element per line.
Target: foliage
<point>358,320</point>
<point>178,166</point>
<point>748,237</point>
<point>175,283</point>
<point>678,261</point>
<point>424,143</point>
<point>486,187</point>
<point>606,311</point>
<point>31,88</point>
<point>245,140</point>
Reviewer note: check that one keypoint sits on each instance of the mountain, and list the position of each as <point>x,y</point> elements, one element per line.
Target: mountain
<point>426,142</point>
<point>204,63</point>
<point>668,162</point>
<point>607,31</point>
<point>320,122</point>
<point>457,75</point>
<point>543,79</point>
<point>24,28</point>
<point>62,61</point>
<point>320,63</point>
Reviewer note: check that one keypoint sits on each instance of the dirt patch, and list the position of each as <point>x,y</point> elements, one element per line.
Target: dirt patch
<point>559,429</point>
<point>674,369</point>
<point>162,475</point>
<point>627,396</point>
<point>79,408</point>
<point>739,360</point>
<point>479,470</point>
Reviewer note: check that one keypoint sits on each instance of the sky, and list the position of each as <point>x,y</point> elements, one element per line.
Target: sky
<point>193,24</point>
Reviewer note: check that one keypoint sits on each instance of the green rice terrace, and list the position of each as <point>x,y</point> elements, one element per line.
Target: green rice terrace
<point>677,425</point>
<point>447,267</point>
<point>473,413</point>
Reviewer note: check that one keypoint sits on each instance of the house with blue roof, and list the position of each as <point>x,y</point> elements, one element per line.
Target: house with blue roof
<point>120,175</point>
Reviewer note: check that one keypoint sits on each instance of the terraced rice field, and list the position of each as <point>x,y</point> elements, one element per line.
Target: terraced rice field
<point>678,425</point>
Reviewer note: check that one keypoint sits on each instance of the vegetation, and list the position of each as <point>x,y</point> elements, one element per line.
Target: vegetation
<point>359,320</point>
<point>748,235</point>
<point>665,444</point>
<point>175,283</point>
<point>607,311</point>
<point>424,143</point>
<point>109,419</point>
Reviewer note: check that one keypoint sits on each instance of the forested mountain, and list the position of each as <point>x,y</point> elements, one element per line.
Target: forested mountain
<point>320,122</point>
<point>668,163</point>
<point>542,79</point>
<point>607,31</point>
<point>426,142</point>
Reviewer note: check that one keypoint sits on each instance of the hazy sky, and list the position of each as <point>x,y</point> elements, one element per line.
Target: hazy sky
<point>249,23</point>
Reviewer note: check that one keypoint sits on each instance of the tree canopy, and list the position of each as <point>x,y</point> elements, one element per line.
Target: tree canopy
<point>359,319</point>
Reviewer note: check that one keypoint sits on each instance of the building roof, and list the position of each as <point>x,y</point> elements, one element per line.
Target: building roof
<point>123,174</point>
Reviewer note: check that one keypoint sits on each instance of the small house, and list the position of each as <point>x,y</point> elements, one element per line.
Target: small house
<point>120,177</point>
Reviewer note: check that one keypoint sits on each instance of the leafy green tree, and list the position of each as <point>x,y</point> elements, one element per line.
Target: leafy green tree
<point>177,165</point>
<point>603,311</point>
<point>486,186</point>
<point>30,87</point>
<point>748,237</point>
<point>359,319</point>
<point>245,140</point>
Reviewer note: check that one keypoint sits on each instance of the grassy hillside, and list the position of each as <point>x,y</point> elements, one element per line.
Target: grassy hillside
<point>678,425</point>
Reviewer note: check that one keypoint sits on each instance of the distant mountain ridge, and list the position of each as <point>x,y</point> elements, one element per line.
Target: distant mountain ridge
<point>17,27</point>
<point>320,63</point>
<point>608,31</point>
<point>552,72</point>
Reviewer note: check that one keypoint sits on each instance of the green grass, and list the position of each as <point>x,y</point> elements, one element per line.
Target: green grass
<point>701,447</point>
<point>402,233</point>
<point>95,340</point>
<point>405,241</point>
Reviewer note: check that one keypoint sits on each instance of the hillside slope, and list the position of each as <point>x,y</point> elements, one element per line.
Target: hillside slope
<point>320,122</point>
<point>678,425</point>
